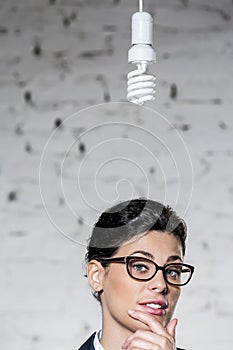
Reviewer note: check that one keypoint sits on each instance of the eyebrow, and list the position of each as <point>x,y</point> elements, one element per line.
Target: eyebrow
<point>149,255</point>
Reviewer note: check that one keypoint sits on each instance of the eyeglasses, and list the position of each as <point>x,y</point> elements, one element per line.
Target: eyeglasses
<point>143,269</point>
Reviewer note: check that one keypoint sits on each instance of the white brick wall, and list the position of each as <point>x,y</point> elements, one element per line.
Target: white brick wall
<point>58,57</point>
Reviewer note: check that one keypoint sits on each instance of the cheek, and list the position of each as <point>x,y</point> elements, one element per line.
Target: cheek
<point>173,298</point>
<point>116,284</point>
<point>175,294</point>
<point>119,289</point>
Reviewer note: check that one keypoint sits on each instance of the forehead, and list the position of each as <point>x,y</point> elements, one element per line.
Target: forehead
<point>156,243</point>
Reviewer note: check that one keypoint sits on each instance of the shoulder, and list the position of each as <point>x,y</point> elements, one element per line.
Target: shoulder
<point>88,345</point>
<point>179,349</point>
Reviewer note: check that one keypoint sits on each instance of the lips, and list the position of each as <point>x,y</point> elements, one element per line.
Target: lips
<point>154,306</point>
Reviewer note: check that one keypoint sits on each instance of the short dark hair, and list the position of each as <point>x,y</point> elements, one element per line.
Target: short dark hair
<point>125,220</point>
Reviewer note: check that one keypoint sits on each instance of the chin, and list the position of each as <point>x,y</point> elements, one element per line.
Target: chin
<point>140,325</point>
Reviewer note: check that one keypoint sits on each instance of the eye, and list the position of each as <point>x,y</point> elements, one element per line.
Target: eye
<point>173,272</point>
<point>140,267</point>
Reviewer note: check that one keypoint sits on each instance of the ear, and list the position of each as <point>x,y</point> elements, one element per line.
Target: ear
<point>95,274</point>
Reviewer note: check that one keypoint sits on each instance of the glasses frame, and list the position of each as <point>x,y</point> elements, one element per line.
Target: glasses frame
<point>126,260</point>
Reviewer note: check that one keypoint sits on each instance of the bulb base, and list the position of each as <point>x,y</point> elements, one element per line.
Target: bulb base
<point>142,52</point>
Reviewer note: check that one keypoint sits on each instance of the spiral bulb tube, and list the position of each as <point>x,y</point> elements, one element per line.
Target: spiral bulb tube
<point>141,86</point>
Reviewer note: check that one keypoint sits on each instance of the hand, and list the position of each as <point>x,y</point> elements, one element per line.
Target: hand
<point>157,338</point>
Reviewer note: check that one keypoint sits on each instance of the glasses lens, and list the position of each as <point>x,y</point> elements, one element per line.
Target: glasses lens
<point>178,274</point>
<point>140,268</point>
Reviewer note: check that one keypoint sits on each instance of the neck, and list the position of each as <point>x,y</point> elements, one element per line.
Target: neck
<point>113,336</point>
<point>111,340</point>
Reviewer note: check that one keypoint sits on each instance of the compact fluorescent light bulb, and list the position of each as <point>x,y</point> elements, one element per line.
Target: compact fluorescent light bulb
<point>141,86</point>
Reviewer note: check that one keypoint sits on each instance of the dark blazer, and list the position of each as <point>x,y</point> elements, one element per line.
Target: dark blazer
<point>88,345</point>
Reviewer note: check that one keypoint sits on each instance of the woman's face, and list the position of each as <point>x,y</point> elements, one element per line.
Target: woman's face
<point>120,292</point>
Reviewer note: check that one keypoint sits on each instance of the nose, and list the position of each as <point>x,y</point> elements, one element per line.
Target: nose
<point>158,283</point>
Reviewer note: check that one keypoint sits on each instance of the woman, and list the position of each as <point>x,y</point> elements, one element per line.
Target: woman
<point>135,269</point>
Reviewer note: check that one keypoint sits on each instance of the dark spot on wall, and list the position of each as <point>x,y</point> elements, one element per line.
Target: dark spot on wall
<point>151,170</point>
<point>3,30</point>
<point>226,17</point>
<point>58,123</point>
<point>17,233</point>
<point>60,54</point>
<point>210,153</point>
<point>28,147</point>
<point>82,147</point>
<point>86,327</point>
<point>166,55</point>
<point>12,196</point>
<point>73,16</point>
<point>173,91</point>
<point>185,127</point>
<point>92,53</point>
<point>52,2</point>
<point>184,2</point>
<point>91,102</point>
<point>222,125</point>
<point>66,21</point>
<point>99,77</point>
<point>61,201</point>
<point>110,28</point>
<point>217,101</point>
<point>21,83</point>
<point>205,245</point>
<point>107,97</point>
<point>35,338</point>
<point>103,82</point>
<point>63,65</point>
<point>55,106</point>
<point>80,221</point>
<point>28,96</point>
<point>18,130</point>
<point>223,14</point>
<point>37,50</point>
<point>109,44</point>
<point>17,31</point>
<point>206,166</point>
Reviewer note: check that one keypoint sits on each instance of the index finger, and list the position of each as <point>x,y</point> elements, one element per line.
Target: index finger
<point>150,321</point>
